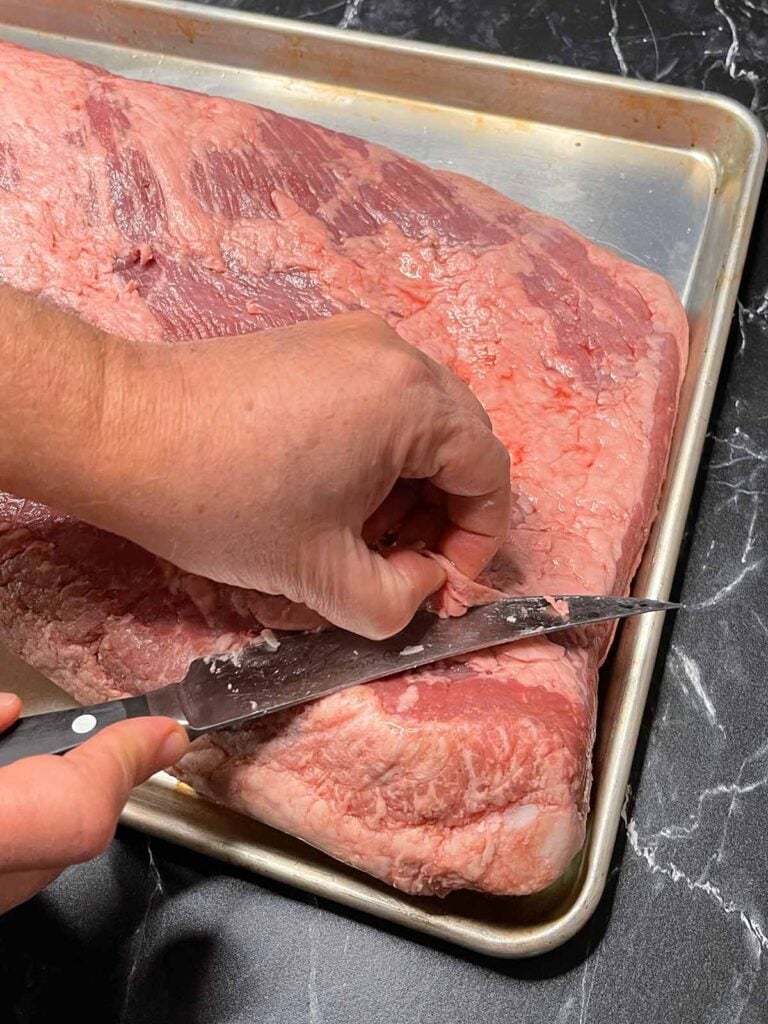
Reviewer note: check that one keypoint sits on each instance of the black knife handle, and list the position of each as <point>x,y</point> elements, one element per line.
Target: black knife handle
<point>56,732</point>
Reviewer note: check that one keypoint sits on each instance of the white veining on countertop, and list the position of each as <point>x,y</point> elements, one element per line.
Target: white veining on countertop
<point>741,315</point>
<point>649,846</point>
<point>304,15</point>
<point>588,976</point>
<point>710,552</point>
<point>727,588</point>
<point>672,871</point>
<point>159,889</point>
<point>741,448</point>
<point>613,35</point>
<point>760,622</point>
<point>653,39</point>
<point>733,51</point>
<point>351,15</point>
<point>564,1012</point>
<point>757,312</point>
<point>692,673</point>
<point>139,935</point>
<point>750,543</point>
<point>746,462</point>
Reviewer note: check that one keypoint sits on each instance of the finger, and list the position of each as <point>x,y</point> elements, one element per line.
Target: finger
<point>10,709</point>
<point>64,810</point>
<point>462,394</point>
<point>19,886</point>
<point>369,594</point>
<point>475,477</point>
<point>471,550</point>
<point>461,455</point>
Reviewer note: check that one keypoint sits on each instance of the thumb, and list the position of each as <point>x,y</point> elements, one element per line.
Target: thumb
<point>10,708</point>
<point>372,595</point>
<point>126,754</point>
<point>64,810</point>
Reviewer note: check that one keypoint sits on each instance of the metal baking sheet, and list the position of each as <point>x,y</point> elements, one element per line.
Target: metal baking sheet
<point>665,176</point>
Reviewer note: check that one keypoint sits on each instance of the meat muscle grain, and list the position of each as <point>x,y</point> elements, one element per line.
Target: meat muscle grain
<point>165,215</point>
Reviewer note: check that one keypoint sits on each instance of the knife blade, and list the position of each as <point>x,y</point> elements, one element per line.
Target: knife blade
<point>226,689</point>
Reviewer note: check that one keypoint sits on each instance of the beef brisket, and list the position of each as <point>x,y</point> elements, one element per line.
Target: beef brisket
<point>165,215</point>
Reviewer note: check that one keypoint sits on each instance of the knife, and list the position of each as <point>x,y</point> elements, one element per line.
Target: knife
<point>226,689</point>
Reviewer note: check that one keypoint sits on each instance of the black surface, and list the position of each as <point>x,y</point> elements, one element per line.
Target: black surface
<point>150,934</point>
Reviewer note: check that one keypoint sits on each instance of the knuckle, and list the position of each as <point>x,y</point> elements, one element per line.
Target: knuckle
<point>493,447</point>
<point>364,329</point>
<point>361,320</point>
<point>405,369</point>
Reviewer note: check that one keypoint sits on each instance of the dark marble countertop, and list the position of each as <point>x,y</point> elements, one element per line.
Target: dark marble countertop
<point>151,934</point>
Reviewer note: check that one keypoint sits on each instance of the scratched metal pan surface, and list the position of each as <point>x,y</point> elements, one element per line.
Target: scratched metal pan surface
<point>665,176</point>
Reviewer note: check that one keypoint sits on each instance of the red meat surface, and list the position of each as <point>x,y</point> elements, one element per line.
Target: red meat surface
<point>164,215</point>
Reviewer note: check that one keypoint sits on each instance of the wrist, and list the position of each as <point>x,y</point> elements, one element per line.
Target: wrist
<point>51,380</point>
<point>130,456</point>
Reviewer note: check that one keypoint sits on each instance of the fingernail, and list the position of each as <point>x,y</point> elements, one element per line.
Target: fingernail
<point>8,701</point>
<point>173,747</point>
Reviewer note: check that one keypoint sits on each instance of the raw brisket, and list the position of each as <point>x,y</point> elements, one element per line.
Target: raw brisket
<point>165,215</point>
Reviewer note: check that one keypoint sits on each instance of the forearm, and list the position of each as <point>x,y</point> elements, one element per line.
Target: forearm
<point>66,390</point>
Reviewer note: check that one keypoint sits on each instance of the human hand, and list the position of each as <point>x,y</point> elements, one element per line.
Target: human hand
<point>57,811</point>
<point>269,462</point>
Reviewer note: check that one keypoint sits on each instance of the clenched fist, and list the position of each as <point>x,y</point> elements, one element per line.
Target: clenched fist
<point>268,462</point>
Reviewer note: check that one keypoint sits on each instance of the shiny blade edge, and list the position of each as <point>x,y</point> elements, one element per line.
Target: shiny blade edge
<point>227,689</point>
